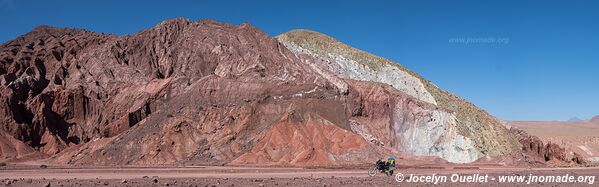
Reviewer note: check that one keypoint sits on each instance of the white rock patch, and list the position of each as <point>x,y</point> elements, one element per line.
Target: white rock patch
<point>388,73</point>
<point>435,136</point>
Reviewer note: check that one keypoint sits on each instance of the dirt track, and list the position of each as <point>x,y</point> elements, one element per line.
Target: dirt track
<point>245,176</point>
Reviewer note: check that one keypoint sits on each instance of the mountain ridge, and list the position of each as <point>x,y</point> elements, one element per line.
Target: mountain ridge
<point>211,93</point>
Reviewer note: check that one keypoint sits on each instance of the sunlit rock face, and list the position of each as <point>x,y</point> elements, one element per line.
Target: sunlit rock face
<point>387,117</point>
<point>434,134</point>
<point>449,127</point>
<point>340,63</point>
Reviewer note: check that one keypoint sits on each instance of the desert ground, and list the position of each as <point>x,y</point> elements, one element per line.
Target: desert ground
<point>31,175</point>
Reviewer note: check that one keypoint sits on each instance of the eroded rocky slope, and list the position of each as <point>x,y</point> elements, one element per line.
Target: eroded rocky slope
<point>454,130</point>
<point>206,92</point>
<point>181,92</point>
<point>538,151</point>
<point>578,140</point>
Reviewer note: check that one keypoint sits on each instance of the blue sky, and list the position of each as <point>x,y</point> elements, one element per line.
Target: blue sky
<point>544,64</point>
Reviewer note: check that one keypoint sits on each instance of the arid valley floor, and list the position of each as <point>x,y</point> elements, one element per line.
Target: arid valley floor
<point>255,176</point>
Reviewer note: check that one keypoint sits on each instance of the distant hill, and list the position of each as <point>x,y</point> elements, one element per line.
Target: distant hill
<point>595,119</point>
<point>574,119</point>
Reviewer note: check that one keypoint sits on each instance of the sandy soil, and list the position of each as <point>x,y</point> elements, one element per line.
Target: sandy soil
<point>247,176</point>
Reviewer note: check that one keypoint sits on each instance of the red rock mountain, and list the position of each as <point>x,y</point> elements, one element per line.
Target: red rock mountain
<point>206,92</point>
<point>183,91</point>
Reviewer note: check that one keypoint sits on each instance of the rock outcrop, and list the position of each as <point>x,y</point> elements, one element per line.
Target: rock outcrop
<point>311,141</point>
<point>43,102</point>
<point>536,150</point>
<point>206,92</point>
<point>452,128</point>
